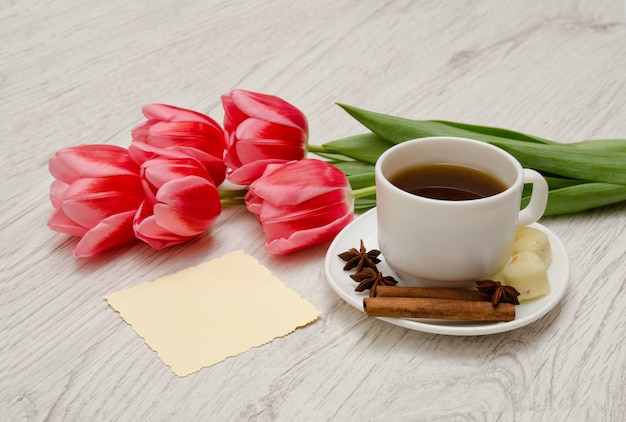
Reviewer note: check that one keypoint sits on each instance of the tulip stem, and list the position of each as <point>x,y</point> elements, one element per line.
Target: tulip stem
<point>232,197</point>
<point>315,148</point>
<point>232,193</point>
<point>232,202</point>
<point>362,192</point>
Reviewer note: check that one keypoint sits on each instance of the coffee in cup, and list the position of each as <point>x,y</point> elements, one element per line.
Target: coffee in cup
<point>447,209</point>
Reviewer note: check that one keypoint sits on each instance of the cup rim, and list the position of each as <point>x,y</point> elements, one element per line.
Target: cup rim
<point>511,189</point>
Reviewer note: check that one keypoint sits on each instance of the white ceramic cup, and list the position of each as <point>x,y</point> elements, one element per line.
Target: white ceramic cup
<point>451,243</point>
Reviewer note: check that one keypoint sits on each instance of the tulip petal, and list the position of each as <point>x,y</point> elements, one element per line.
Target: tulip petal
<point>254,203</point>
<point>309,219</point>
<point>140,132</point>
<point>60,222</point>
<point>292,183</point>
<point>111,232</point>
<point>58,190</point>
<point>248,173</point>
<point>305,238</point>
<point>211,139</point>
<point>149,231</point>
<point>269,108</point>
<point>215,166</point>
<point>336,200</point>
<point>143,151</point>
<point>95,160</point>
<point>186,130</point>
<point>159,171</point>
<point>253,128</point>
<point>232,115</point>
<point>90,200</point>
<point>156,236</point>
<point>253,150</point>
<point>187,206</point>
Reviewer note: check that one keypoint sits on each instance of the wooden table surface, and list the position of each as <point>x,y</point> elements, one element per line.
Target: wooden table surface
<point>75,72</point>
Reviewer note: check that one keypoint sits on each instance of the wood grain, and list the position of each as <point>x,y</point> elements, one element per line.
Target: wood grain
<point>76,72</point>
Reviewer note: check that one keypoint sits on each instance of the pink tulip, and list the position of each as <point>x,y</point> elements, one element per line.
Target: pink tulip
<point>96,194</point>
<point>262,129</point>
<point>300,204</point>
<point>179,133</point>
<point>182,201</point>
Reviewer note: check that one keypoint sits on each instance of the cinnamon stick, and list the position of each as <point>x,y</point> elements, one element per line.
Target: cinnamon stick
<point>447,309</point>
<point>430,292</point>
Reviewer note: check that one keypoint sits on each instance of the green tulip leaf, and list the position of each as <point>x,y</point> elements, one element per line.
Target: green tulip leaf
<point>365,147</point>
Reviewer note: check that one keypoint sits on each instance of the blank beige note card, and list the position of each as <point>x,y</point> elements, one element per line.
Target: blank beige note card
<point>204,314</point>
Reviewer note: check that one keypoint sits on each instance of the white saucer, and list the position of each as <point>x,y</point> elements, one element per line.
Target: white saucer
<point>364,227</point>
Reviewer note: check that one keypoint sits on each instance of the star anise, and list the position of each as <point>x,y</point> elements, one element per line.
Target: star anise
<point>360,259</point>
<point>498,292</point>
<point>370,278</point>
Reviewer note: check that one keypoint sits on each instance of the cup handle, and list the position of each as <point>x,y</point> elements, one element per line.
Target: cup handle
<point>538,199</point>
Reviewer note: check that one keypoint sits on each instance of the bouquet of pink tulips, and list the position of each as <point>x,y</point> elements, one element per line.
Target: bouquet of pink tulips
<point>164,189</point>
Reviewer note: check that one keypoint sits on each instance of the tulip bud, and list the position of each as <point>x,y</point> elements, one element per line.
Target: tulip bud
<point>300,204</point>
<point>262,129</point>
<point>178,133</point>
<point>182,201</point>
<point>96,194</point>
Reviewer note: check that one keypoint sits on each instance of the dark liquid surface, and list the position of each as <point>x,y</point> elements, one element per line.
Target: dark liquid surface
<point>447,182</point>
